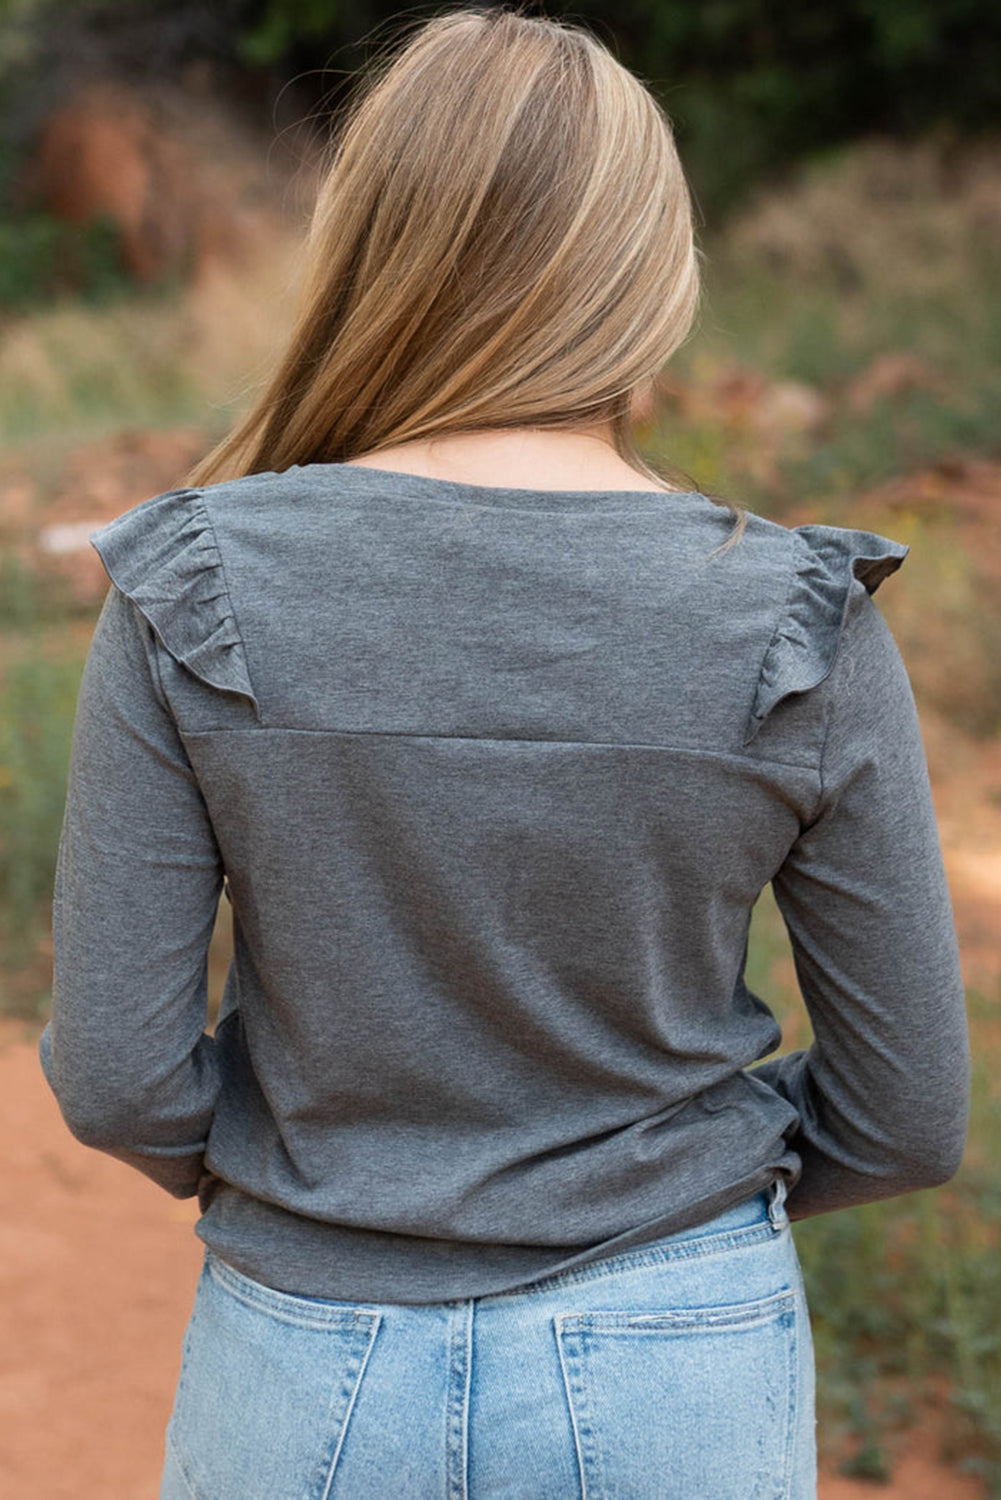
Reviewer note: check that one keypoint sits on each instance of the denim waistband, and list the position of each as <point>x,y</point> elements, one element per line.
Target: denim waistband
<point>761,1216</point>
<point>768,1204</point>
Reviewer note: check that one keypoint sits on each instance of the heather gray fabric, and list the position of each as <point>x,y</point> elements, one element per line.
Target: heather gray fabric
<point>494,777</point>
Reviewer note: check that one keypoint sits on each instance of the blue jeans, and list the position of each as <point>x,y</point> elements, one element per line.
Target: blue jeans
<point>683,1370</point>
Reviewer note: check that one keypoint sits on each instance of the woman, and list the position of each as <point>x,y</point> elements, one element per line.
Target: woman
<point>493,738</point>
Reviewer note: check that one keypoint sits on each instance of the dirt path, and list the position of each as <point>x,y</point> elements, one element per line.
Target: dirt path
<point>97,1274</point>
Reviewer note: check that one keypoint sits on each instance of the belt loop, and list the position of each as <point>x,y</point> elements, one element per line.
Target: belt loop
<point>776,1213</point>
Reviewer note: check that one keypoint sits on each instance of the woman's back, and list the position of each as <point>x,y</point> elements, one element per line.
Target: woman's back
<point>497,776</point>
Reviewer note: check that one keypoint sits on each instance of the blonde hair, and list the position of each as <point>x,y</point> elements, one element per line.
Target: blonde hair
<point>502,238</point>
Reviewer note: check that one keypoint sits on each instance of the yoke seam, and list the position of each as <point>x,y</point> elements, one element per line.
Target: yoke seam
<point>512,739</point>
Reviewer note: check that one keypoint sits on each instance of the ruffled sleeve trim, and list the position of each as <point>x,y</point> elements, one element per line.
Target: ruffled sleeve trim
<point>827,559</point>
<point>163,555</point>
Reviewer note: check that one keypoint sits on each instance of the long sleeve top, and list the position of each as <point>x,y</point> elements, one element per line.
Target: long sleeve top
<point>493,779</point>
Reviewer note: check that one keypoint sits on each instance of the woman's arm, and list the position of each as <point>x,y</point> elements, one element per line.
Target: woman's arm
<point>137,888</point>
<point>884,1090</point>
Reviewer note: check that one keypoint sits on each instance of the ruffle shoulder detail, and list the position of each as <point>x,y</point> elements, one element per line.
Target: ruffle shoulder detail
<point>163,555</point>
<point>826,562</point>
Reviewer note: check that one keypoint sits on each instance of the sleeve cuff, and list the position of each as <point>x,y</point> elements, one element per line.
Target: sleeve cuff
<point>177,1172</point>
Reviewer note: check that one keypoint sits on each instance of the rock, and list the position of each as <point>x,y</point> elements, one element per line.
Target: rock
<point>185,183</point>
<point>103,153</point>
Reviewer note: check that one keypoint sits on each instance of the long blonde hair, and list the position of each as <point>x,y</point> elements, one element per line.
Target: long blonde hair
<point>502,238</point>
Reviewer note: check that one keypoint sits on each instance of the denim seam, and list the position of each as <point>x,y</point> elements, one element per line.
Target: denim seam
<point>793,1402</point>
<point>725,1316</point>
<point>555,1325</point>
<point>588,1453</point>
<point>181,1466</point>
<point>457,1400</point>
<point>356,1378</point>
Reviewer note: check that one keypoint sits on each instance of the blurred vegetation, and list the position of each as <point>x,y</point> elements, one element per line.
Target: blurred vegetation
<point>751,87</point>
<point>792,324</point>
<point>43,258</point>
<point>40,672</point>
<point>73,371</point>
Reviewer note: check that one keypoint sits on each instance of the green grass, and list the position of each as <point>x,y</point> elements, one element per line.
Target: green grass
<point>42,257</point>
<point>35,734</point>
<point>40,667</point>
<point>78,373</point>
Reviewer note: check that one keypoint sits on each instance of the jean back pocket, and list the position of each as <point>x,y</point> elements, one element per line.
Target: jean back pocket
<point>267,1385</point>
<point>683,1402</point>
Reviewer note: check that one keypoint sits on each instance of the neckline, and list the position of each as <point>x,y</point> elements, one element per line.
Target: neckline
<point>459,492</point>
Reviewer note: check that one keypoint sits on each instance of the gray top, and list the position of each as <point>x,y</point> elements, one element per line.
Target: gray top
<point>494,778</point>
